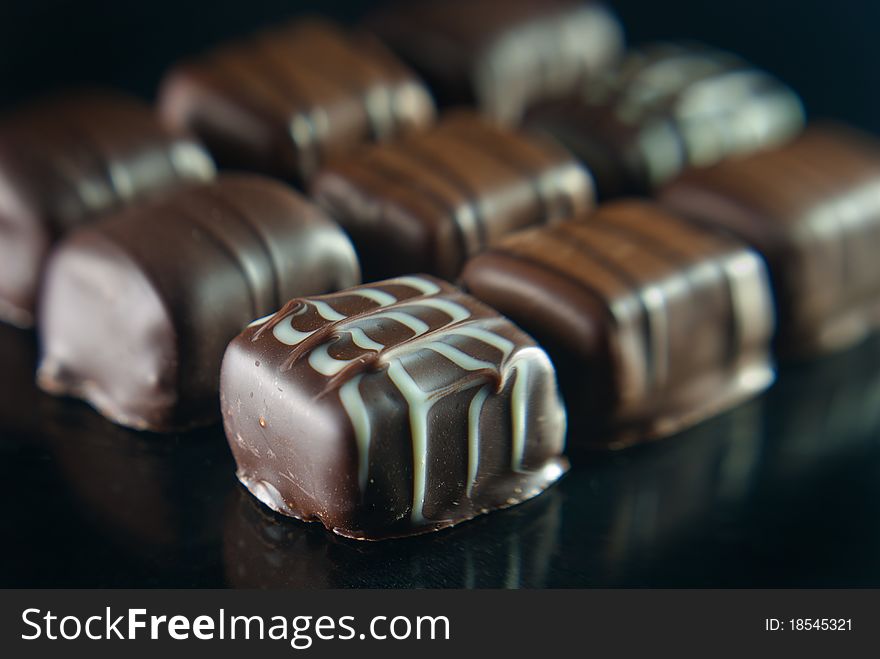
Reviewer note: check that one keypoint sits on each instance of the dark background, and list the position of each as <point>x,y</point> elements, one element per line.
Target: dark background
<point>826,50</point>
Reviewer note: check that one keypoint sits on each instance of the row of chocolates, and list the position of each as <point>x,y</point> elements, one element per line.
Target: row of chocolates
<point>407,405</point>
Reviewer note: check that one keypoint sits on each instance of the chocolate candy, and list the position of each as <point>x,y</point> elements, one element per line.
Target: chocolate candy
<point>67,160</point>
<point>502,55</point>
<point>653,324</point>
<point>138,308</point>
<point>665,108</point>
<point>426,203</point>
<point>284,100</point>
<point>391,409</point>
<point>812,208</point>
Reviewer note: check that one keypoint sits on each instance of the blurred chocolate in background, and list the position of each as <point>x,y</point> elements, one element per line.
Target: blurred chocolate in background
<point>56,43</point>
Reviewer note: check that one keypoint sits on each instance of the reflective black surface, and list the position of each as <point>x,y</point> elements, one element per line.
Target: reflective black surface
<point>784,491</point>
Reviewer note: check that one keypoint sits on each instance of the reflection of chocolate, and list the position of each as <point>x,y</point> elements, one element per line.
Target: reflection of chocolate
<point>826,408</point>
<point>104,506</point>
<point>391,409</point>
<point>800,485</point>
<point>665,108</point>
<point>654,324</point>
<point>812,208</point>
<point>501,55</point>
<point>656,495</point>
<point>511,550</point>
<point>65,161</point>
<point>426,203</point>
<point>284,100</point>
<point>139,307</point>
<point>155,496</point>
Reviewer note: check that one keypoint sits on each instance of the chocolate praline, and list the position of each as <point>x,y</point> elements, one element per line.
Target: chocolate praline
<point>69,159</point>
<point>391,409</point>
<point>138,308</point>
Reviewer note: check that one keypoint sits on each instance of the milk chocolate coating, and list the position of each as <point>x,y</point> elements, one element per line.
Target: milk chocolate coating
<point>138,308</point>
<point>653,324</point>
<point>427,203</point>
<point>502,55</point>
<point>284,100</point>
<point>391,409</point>
<point>67,160</point>
<point>812,208</point>
<point>667,107</point>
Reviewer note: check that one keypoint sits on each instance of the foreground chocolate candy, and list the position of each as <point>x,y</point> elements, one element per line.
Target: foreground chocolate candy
<point>653,324</point>
<point>391,409</point>
<point>426,203</point>
<point>284,100</point>
<point>665,108</point>
<point>138,308</point>
<point>812,208</point>
<point>502,55</point>
<point>68,159</point>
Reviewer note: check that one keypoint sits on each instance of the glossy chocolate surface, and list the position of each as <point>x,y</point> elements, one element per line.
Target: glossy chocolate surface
<point>282,101</point>
<point>428,202</point>
<point>812,208</point>
<point>502,55</point>
<point>67,160</point>
<point>391,409</point>
<point>653,324</point>
<point>665,108</point>
<point>138,308</point>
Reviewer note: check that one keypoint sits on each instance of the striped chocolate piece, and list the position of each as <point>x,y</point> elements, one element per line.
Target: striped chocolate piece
<point>502,55</point>
<point>665,108</point>
<point>391,409</point>
<point>653,324</point>
<point>812,208</point>
<point>138,308</point>
<point>65,161</point>
<point>284,100</point>
<point>427,203</point>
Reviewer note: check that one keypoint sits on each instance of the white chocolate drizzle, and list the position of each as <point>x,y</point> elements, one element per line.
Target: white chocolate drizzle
<point>474,412</point>
<point>381,298</point>
<point>285,332</point>
<point>519,409</point>
<point>326,311</point>
<point>440,340</point>
<point>424,286</point>
<point>260,321</point>
<point>353,402</point>
<point>321,361</point>
<point>419,407</point>
<point>417,326</point>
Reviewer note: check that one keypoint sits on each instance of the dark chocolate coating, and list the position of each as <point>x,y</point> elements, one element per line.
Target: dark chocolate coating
<point>391,409</point>
<point>281,102</point>
<point>502,55</point>
<point>138,308</point>
<point>427,203</point>
<point>653,324</point>
<point>665,108</point>
<point>812,208</point>
<point>67,160</point>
